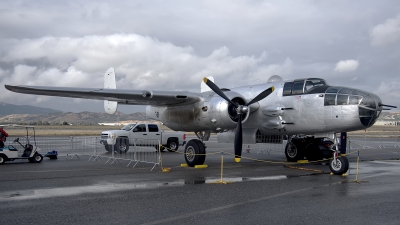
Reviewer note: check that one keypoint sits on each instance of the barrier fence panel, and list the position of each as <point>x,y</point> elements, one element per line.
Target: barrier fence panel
<point>268,148</point>
<point>136,151</point>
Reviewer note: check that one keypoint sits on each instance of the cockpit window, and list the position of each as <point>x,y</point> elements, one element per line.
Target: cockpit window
<point>312,83</point>
<point>287,88</point>
<point>298,88</point>
<point>301,86</point>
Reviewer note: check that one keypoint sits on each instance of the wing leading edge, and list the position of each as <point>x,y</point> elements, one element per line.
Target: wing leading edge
<point>122,96</point>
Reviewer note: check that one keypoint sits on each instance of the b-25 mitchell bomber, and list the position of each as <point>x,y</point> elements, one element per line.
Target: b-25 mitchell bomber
<point>251,114</point>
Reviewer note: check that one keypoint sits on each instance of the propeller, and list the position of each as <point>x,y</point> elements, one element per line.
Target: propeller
<point>240,110</point>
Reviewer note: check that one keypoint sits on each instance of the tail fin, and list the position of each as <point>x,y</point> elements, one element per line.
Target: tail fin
<point>109,83</point>
<point>204,87</point>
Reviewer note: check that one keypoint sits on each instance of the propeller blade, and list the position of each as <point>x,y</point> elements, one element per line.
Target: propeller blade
<point>218,91</point>
<point>238,139</point>
<point>262,95</point>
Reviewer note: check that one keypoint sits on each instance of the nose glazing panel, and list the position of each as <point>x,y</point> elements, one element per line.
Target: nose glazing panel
<point>368,103</point>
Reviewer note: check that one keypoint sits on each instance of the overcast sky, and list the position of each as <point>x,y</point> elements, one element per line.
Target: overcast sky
<point>172,45</point>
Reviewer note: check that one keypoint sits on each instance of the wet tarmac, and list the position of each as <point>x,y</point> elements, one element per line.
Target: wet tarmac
<point>262,189</point>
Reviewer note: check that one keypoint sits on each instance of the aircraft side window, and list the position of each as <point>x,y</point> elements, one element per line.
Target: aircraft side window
<point>330,99</point>
<point>153,128</point>
<point>342,99</point>
<point>297,88</point>
<point>287,88</point>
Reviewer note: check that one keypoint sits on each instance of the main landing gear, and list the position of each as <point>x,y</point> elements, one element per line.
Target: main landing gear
<point>195,150</point>
<point>316,149</point>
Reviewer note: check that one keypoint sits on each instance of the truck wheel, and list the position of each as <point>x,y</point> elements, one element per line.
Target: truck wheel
<point>195,153</point>
<point>108,147</point>
<point>122,145</point>
<point>2,159</point>
<point>172,145</point>
<point>37,158</point>
<point>161,148</point>
<point>339,166</point>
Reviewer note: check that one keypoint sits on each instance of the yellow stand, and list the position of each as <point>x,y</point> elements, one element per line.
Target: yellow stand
<point>221,181</point>
<point>356,180</point>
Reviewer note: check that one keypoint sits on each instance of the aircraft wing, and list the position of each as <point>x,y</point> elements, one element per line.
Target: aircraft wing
<point>122,96</point>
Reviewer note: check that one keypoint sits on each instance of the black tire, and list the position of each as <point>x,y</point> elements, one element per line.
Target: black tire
<point>108,147</point>
<point>31,160</point>
<point>313,153</point>
<point>339,166</point>
<point>121,145</point>
<point>37,158</point>
<point>172,144</point>
<point>292,153</point>
<point>161,148</point>
<point>195,153</point>
<point>2,159</point>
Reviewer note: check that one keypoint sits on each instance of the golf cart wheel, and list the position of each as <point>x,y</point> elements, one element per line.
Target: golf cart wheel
<point>31,160</point>
<point>2,159</point>
<point>37,158</point>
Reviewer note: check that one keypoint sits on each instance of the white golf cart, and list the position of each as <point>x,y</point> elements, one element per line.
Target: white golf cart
<point>29,151</point>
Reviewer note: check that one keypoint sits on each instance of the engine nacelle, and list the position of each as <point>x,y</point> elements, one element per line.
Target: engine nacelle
<point>223,114</point>
<point>213,113</point>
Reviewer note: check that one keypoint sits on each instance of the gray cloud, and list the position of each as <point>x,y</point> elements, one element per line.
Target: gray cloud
<point>157,44</point>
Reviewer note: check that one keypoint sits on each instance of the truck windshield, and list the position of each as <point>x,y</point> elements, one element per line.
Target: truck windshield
<point>128,127</point>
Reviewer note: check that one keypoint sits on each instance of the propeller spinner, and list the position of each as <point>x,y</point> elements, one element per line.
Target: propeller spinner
<point>240,110</point>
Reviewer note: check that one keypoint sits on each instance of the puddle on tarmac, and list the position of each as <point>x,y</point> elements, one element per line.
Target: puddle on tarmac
<point>108,187</point>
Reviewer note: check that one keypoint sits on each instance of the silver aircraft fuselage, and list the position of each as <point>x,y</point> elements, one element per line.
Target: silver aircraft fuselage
<point>302,106</point>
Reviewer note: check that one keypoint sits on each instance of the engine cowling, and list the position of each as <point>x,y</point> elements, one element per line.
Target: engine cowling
<point>222,113</point>
<point>215,113</point>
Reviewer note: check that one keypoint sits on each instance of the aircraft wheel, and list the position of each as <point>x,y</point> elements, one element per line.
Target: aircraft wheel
<point>195,153</point>
<point>2,159</point>
<point>292,153</point>
<point>37,158</point>
<point>339,166</point>
<point>172,145</point>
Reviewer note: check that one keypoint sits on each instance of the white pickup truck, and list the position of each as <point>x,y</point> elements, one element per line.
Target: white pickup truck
<point>138,133</point>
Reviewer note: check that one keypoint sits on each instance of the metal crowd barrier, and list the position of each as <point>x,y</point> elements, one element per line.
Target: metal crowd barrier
<point>373,141</point>
<point>269,148</point>
<point>139,151</point>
